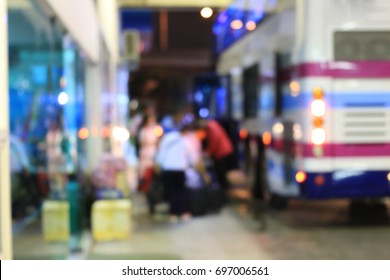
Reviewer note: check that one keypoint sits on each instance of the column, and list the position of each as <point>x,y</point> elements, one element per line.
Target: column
<point>94,114</point>
<point>5,193</point>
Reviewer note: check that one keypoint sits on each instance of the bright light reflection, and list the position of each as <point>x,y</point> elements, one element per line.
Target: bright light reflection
<point>63,98</point>
<point>120,134</point>
<point>236,24</point>
<point>206,12</point>
<point>250,25</point>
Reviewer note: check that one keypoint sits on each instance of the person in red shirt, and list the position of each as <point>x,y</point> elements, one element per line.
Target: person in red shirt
<point>220,148</point>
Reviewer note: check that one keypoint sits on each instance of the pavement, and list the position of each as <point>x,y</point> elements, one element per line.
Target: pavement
<point>306,230</point>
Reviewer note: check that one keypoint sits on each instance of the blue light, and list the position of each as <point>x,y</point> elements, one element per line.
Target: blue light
<point>204,113</point>
<point>198,96</point>
<point>225,36</point>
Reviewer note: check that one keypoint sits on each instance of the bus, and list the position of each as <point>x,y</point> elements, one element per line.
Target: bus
<point>311,87</point>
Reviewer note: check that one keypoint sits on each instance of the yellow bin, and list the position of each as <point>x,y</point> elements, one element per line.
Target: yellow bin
<point>111,219</point>
<point>55,220</point>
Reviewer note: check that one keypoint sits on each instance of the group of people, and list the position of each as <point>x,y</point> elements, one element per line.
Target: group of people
<point>176,153</point>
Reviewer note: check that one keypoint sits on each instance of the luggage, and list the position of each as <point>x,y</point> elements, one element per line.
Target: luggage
<point>111,220</point>
<point>206,199</point>
<point>55,220</point>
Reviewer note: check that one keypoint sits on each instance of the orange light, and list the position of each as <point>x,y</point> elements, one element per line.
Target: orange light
<point>83,133</point>
<point>236,24</point>
<point>250,25</point>
<point>300,177</point>
<point>318,122</point>
<point>388,176</point>
<point>318,93</point>
<point>201,134</point>
<point>105,132</point>
<point>243,133</point>
<point>267,138</point>
<point>319,180</point>
<point>158,131</point>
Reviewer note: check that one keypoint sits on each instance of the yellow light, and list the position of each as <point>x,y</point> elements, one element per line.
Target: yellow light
<point>158,131</point>
<point>300,177</point>
<point>388,176</point>
<point>318,136</point>
<point>83,133</point>
<point>250,25</point>
<point>206,12</point>
<point>318,93</point>
<point>236,24</point>
<point>267,138</point>
<point>278,128</point>
<point>318,108</point>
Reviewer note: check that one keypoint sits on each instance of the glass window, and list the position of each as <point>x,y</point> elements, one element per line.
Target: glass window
<point>251,86</point>
<point>362,45</point>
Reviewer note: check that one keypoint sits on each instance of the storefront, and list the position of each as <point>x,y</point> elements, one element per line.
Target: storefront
<point>57,73</point>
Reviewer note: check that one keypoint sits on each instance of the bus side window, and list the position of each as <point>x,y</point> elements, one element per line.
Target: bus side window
<point>278,85</point>
<point>251,86</point>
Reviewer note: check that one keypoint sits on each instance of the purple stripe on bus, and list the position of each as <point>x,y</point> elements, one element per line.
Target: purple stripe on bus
<point>348,150</point>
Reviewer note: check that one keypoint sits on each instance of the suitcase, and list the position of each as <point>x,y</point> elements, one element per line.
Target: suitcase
<point>55,220</point>
<point>111,219</point>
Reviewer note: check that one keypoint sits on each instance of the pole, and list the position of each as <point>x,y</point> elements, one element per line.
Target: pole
<point>5,188</point>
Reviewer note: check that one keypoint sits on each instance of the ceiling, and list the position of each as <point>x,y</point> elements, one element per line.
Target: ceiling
<point>174,3</point>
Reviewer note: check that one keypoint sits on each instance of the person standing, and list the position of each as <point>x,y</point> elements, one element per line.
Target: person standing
<point>220,148</point>
<point>56,159</point>
<point>148,140</point>
<point>174,157</point>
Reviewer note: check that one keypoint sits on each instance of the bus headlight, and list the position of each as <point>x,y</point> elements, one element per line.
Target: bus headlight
<point>318,108</point>
<point>318,136</point>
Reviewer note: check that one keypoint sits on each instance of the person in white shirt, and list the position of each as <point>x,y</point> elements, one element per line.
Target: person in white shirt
<point>174,157</point>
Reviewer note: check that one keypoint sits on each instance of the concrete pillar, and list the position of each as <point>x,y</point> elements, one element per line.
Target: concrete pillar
<point>94,114</point>
<point>5,193</point>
